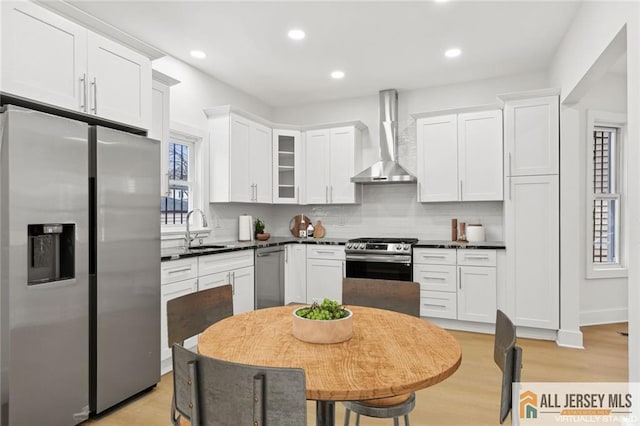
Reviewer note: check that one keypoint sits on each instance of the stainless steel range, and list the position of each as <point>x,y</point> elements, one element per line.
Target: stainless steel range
<point>380,258</point>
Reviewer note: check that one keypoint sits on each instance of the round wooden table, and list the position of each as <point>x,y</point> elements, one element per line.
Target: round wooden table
<point>389,354</point>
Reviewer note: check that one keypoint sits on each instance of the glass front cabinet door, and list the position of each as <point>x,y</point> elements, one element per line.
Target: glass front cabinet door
<point>287,173</point>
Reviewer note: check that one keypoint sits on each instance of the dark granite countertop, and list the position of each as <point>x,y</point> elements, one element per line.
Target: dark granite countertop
<point>455,244</point>
<point>174,253</point>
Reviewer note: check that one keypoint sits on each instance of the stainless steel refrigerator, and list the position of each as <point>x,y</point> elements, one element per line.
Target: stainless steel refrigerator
<point>79,267</point>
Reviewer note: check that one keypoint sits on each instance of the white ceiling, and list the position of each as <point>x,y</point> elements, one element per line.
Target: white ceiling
<point>379,45</point>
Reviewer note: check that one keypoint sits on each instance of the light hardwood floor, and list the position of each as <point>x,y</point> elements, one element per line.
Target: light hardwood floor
<point>470,397</point>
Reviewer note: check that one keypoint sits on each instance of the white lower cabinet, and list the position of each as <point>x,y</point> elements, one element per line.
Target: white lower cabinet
<point>295,273</point>
<point>325,270</point>
<point>242,283</point>
<point>178,277</point>
<point>458,285</point>
<point>235,268</point>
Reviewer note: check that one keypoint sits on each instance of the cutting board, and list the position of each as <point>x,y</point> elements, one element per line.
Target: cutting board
<point>318,230</point>
<point>294,224</point>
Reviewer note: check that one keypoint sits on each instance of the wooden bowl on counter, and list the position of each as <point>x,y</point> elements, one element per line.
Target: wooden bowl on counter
<point>263,237</point>
<point>322,331</point>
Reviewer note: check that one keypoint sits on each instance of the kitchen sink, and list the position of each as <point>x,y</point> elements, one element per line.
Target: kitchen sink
<point>207,247</point>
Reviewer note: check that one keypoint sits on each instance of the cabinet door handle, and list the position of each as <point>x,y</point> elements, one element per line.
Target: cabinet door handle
<point>510,188</point>
<point>460,278</point>
<point>433,278</point>
<point>83,85</point>
<point>436,256</point>
<point>461,197</point>
<point>331,192</point>
<point>94,108</point>
<point>326,194</point>
<point>175,271</point>
<point>509,164</point>
<point>233,282</point>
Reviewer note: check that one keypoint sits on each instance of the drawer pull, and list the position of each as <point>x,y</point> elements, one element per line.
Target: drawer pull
<point>175,271</point>
<point>436,256</point>
<point>434,278</point>
<point>477,256</point>
<point>325,252</point>
<point>435,305</point>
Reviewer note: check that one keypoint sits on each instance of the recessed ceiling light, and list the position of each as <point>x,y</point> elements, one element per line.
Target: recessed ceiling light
<point>198,54</point>
<point>296,34</point>
<point>453,53</point>
<point>337,74</point>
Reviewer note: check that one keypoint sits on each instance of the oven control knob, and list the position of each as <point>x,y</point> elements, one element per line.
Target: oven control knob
<point>362,246</point>
<point>398,247</point>
<point>407,247</point>
<point>349,245</point>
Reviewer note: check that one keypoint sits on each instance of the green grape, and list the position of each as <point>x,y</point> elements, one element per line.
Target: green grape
<point>325,311</point>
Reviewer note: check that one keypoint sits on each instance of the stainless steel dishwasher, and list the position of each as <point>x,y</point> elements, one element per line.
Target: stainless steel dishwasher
<point>269,273</point>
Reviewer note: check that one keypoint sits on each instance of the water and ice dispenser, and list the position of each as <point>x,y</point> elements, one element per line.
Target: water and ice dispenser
<point>51,252</point>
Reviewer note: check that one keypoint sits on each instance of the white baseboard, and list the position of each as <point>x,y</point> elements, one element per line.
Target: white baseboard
<point>604,316</point>
<point>570,339</point>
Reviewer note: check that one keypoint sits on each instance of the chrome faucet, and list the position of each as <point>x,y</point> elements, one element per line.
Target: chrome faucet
<point>187,234</point>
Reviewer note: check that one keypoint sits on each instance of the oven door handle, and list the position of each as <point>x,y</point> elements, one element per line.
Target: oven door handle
<point>379,258</point>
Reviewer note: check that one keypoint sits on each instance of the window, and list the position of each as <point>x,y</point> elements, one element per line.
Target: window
<point>183,190</point>
<point>177,203</point>
<point>606,183</point>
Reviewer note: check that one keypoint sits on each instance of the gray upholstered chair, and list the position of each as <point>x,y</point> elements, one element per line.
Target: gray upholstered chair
<point>212,392</point>
<point>398,296</point>
<point>192,313</point>
<point>508,357</point>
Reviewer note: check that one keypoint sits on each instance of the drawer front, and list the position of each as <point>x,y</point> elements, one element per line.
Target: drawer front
<point>325,252</point>
<point>177,270</point>
<point>435,277</point>
<point>438,304</point>
<point>434,256</point>
<point>221,262</point>
<point>471,257</point>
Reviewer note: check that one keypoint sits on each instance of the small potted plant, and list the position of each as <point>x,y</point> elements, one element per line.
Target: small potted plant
<point>258,225</point>
<point>327,322</point>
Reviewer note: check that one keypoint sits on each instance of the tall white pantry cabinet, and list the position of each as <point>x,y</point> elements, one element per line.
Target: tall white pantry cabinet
<point>532,210</point>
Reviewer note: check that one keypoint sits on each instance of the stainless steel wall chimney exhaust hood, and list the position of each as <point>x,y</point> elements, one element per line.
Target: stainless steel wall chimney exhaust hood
<point>387,170</point>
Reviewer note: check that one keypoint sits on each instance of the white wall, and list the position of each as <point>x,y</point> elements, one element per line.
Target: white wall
<point>601,300</point>
<point>595,27</point>
<point>195,92</point>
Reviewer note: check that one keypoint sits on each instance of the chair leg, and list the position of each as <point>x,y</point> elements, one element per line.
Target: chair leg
<point>347,416</point>
<point>396,422</point>
<point>406,420</point>
<point>357,419</point>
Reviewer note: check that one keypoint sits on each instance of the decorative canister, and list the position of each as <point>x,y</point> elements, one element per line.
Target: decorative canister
<point>475,232</point>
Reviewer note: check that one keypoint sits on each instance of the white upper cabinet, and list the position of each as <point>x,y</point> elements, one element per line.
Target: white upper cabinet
<point>460,157</point>
<point>119,82</point>
<point>241,158</point>
<point>52,60</point>
<point>331,159</point>
<point>44,56</point>
<point>287,166</point>
<point>531,134</point>
<point>480,156</point>
<point>438,158</point>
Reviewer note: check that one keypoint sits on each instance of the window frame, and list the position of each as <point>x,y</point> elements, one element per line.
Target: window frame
<point>598,119</point>
<point>183,133</point>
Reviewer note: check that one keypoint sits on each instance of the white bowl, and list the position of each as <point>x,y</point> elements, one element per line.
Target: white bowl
<point>322,331</point>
